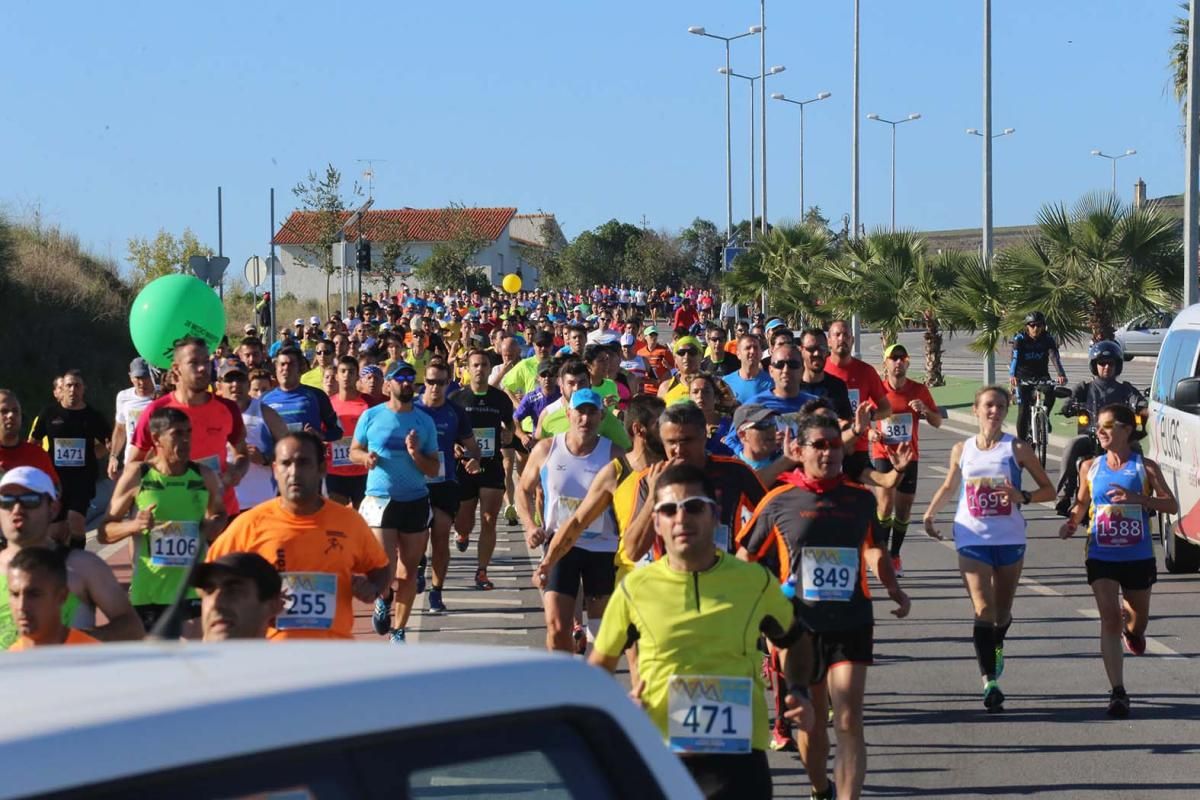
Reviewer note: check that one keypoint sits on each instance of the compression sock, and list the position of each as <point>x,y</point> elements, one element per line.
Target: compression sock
<point>985,649</point>
<point>899,531</point>
<point>1002,631</point>
<point>885,531</point>
<point>593,628</point>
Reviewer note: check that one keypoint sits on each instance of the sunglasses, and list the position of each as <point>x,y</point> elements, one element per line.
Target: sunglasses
<point>27,500</point>
<point>898,357</point>
<point>324,352</point>
<point>765,425</point>
<point>691,505</point>
<point>1106,363</point>
<point>1110,424</point>
<point>687,351</point>
<point>436,382</point>
<point>1035,325</point>
<point>825,444</point>
<point>813,350</point>
<point>404,377</point>
<point>790,363</point>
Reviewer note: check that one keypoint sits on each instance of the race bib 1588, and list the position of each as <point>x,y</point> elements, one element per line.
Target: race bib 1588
<point>1119,525</point>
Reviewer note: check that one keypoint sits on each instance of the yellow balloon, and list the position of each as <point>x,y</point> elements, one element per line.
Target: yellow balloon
<point>511,283</point>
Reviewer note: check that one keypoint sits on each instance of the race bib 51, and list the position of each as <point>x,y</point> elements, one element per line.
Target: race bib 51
<point>486,437</point>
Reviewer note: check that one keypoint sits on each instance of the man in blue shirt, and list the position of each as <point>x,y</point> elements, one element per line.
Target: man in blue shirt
<point>750,379</point>
<point>398,444</point>
<point>301,407</point>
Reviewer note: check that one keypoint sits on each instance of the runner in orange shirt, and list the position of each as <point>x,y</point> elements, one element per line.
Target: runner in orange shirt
<point>324,551</point>
<point>862,384</point>
<point>37,591</point>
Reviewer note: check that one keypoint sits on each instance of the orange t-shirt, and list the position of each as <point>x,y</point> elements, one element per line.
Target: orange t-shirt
<point>73,637</point>
<point>902,417</point>
<point>317,557</point>
<point>862,384</point>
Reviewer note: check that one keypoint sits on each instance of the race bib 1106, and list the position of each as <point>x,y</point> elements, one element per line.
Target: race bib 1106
<point>829,573</point>
<point>709,714</point>
<point>174,543</point>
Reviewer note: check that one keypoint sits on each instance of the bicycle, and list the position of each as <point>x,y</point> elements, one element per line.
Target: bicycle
<point>1039,414</point>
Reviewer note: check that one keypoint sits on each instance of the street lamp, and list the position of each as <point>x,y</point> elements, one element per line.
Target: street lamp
<point>699,30</point>
<point>1005,132</point>
<point>802,104</point>
<point>894,123</point>
<point>728,73</point>
<point>1114,160</point>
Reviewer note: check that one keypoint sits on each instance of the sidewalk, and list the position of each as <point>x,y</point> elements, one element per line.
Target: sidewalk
<point>956,397</point>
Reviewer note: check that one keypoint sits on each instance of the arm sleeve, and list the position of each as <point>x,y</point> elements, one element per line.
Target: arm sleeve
<point>1012,361</point>
<point>329,417</point>
<point>1057,360</point>
<point>926,397</point>
<point>778,615</point>
<point>614,627</point>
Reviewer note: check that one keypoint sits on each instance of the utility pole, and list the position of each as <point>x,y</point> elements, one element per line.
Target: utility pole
<point>220,244</point>
<point>989,360</point>
<point>854,326</point>
<point>1191,211</point>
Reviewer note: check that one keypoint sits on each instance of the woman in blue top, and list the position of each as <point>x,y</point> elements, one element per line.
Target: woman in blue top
<point>1117,492</point>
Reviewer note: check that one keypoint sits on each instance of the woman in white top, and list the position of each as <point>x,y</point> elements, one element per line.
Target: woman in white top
<point>989,531</point>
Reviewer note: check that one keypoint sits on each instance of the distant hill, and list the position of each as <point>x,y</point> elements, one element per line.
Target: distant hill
<point>62,307</point>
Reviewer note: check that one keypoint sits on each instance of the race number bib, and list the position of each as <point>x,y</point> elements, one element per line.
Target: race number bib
<point>709,714</point>
<point>341,453</point>
<point>371,510</point>
<point>853,399</point>
<point>212,462</point>
<point>1119,525</point>
<point>309,601</point>
<point>441,474</point>
<point>896,429</point>
<point>295,427</point>
<point>721,538</point>
<point>986,497</point>
<point>174,544</point>
<point>69,452</point>
<point>829,573</point>
<point>486,437</point>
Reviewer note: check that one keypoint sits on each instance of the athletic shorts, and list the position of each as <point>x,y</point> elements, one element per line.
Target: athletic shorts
<point>444,497</point>
<point>595,570</point>
<point>351,486</point>
<point>76,496</point>
<point>732,776</point>
<point>994,555</point>
<point>908,481</point>
<point>842,647</point>
<point>405,516</point>
<point>492,477</point>
<point>151,613</point>
<point>854,464</point>
<point>1132,575</point>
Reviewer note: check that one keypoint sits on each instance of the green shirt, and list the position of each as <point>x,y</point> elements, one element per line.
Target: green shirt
<point>611,428</point>
<point>522,379</point>
<point>165,553</point>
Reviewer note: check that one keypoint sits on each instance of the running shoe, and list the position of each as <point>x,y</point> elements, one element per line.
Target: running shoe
<point>993,698</point>
<point>397,636</point>
<point>481,580</point>
<point>421,576</point>
<point>1118,703</point>
<point>781,739</point>
<point>898,566</point>
<point>462,542</point>
<point>579,636</point>
<point>510,514</point>
<point>999,660</point>
<point>436,606</point>
<point>1134,645</point>
<point>829,794</point>
<point>381,617</point>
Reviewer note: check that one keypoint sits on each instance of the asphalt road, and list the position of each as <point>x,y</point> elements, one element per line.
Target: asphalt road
<point>927,732</point>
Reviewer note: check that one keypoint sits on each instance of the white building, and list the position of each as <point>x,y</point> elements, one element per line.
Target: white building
<point>509,236</point>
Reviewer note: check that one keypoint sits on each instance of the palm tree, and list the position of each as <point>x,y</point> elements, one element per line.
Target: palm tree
<point>924,300</point>
<point>1179,58</point>
<point>784,262</point>
<point>872,277</point>
<point>980,302</point>
<point>1094,267</point>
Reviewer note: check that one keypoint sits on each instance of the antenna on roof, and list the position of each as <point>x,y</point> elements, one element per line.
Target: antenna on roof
<point>369,173</point>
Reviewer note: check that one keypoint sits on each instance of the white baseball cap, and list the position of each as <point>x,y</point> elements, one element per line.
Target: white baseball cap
<point>298,321</point>
<point>314,320</point>
<point>30,478</point>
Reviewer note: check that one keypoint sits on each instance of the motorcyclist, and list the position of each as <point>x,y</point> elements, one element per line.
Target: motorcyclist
<point>1031,353</point>
<point>1105,360</point>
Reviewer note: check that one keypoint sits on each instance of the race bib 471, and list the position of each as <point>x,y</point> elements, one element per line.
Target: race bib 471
<point>709,714</point>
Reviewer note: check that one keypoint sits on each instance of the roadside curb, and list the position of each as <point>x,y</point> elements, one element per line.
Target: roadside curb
<point>964,422</point>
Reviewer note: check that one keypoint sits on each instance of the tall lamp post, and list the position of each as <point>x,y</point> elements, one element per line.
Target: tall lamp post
<point>728,73</point>
<point>894,123</point>
<point>802,104</point>
<point>698,30</point>
<point>1114,160</point>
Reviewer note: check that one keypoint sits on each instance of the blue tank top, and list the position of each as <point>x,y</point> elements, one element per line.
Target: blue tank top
<point>1118,532</point>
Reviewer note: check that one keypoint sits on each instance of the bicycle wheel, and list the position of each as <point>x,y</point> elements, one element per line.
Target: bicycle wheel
<point>1040,434</point>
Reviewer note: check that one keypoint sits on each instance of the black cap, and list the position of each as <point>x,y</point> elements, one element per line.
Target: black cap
<point>543,338</point>
<point>243,565</point>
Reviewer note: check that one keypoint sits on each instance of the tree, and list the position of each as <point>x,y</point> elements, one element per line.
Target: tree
<point>1094,267</point>
<point>871,279</point>
<point>396,260</point>
<point>599,256</point>
<point>451,264</point>
<point>656,258</point>
<point>322,198</point>
<point>980,301</point>
<point>1179,58</point>
<point>164,255</point>
<point>786,262</point>
<point>704,248</point>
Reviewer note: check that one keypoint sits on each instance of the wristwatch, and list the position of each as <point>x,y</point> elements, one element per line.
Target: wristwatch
<point>1026,498</point>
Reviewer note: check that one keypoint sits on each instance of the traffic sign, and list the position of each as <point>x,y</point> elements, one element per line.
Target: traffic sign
<point>210,269</point>
<point>731,253</point>
<point>256,271</point>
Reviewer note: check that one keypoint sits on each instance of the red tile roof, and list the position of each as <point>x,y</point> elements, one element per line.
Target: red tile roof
<point>407,224</point>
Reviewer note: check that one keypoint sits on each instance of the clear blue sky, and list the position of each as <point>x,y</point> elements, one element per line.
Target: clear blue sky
<point>123,118</point>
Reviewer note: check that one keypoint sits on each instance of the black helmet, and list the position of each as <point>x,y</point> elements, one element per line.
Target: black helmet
<point>1035,318</point>
<point>1106,349</point>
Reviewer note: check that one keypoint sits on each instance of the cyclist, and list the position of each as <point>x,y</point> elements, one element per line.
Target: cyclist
<point>1105,360</point>
<point>1119,491</point>
<point>1031,353</point>
<point>989,530</point>
<point>179,512</point>
<point>696,615</point>
<point>37,592</point>
<point>240,594</point>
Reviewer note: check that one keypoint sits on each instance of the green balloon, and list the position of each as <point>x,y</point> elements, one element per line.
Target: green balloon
<point>170,308</point>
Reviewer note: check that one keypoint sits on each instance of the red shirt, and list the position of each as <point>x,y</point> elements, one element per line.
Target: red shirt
<point>348,412</point>
<point>216,423</point>
<point>902,414</point>
<point>862,383</point>
<point>685,317</point>
<point>27,454</point>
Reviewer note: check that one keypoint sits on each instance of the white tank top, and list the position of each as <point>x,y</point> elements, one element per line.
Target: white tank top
<point>565,482</point>
<point>259,484</point>
<point>985,516</point>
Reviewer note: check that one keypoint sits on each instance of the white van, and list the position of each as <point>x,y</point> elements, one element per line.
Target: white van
<point>1174,437</point>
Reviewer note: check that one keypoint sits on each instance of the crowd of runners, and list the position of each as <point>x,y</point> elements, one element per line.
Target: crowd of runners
<point>708,489</point>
